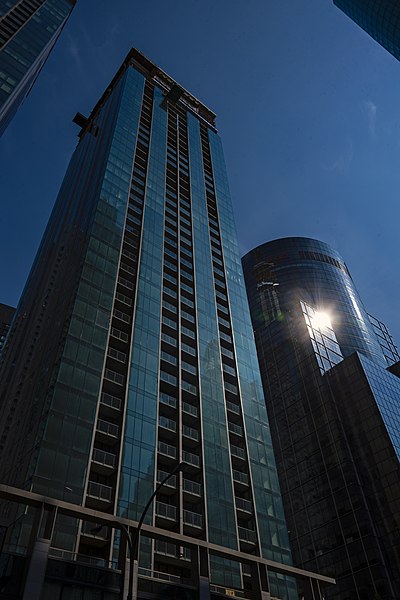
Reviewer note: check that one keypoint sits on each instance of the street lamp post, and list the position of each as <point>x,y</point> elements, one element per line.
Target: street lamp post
<point>133,541</point>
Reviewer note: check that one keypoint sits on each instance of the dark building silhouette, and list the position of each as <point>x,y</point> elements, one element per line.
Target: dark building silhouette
<point>379,18</point>
<point>132,351</point>
<point>28,31</point>
<point>334,410</point>
<point>6,316</point>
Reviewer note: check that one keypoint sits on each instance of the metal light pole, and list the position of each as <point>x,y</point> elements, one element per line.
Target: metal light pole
<point>133,540</point>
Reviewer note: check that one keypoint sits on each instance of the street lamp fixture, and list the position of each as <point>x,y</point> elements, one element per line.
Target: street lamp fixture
<point>133,540</point>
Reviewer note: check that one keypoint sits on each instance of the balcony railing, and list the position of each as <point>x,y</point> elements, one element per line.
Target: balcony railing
<point>161,475</point>
<point>172,550</point>
<point>238,452</point>
<point>247,535</point>
<point>236,429</point>
<point>90,528</point>
<point>190,458</point>
<point>244,505</point>
<point>240,477</point>
<point>103,458</point>
<point>107,428</point>
<point>233,407</point>
<point>167,423</point>
<point>111,401</point>
<point>166,511</point>
<point>192,487</point>
<point>100,491</point>
<point>193,519</point>
<point>167,449</point>
<point>190,433</point>
<point>189,409</point>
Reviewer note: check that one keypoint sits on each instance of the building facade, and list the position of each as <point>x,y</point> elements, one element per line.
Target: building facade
<point>334,410</point>
<point>28,31</point>
<point>6,316</point>
<point>379,18</point>
<point>132,351</point>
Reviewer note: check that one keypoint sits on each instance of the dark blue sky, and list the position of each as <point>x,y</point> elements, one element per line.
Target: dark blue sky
<point>307,104</point>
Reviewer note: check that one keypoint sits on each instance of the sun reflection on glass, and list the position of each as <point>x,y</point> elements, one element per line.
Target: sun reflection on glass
<point>321,320</point>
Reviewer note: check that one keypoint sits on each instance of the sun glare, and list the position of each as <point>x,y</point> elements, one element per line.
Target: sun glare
<point>321,320</point>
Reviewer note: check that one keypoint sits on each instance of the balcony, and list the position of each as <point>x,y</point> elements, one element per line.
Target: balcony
<point>241,478</point>
<point>235,429</point>
<point>192,487</point>
<point>192,519</point>
<point>167,451</point>
<point>190,433</point>
<point>103,462</point>
<point>237,452</point>
<point>244,506</point>
<point>166,512</point>
<point>172,551</point>
<point>168,427</point>
<point>234,408</point>
<point>107,432</point>
<point>110,404</point>
<point>189,409</point>
<point>100,496</point>
<point>248,536</point>
<point>191,459</point>
<point>170,486</point>
<point>94,537</point>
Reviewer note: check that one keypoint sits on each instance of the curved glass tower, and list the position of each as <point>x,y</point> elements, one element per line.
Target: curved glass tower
<point>311,271</point>
<point>334,411</point>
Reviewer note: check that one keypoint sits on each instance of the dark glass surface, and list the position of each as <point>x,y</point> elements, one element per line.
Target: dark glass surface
<point>379,18</point>
<point>27,37</point>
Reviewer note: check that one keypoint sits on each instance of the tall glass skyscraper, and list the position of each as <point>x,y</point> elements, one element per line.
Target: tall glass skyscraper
<point>28,31</point>
<point>379,18</point>
<point>132,351</point>
<point>334,408</point>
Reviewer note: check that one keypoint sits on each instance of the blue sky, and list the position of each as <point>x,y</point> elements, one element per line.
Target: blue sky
<point>307,104</point>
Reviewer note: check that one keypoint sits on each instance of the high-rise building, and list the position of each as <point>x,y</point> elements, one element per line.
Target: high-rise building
<point>131,352</point>
<point>334,410</point>
<point>6,316</point>
<point>379,18</point>
<point>28,31</point>
<point>385,339</point>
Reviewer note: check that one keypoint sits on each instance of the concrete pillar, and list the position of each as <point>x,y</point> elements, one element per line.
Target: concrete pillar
<point>37,570</point>
<point>40,553</point>
<point>200,571</point>
<point>260,582</point>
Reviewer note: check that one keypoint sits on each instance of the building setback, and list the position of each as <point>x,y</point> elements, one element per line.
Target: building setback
<point>379,18</point>
<point>28,31</point>
<point>334,410</point>
<point>132,351</point>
